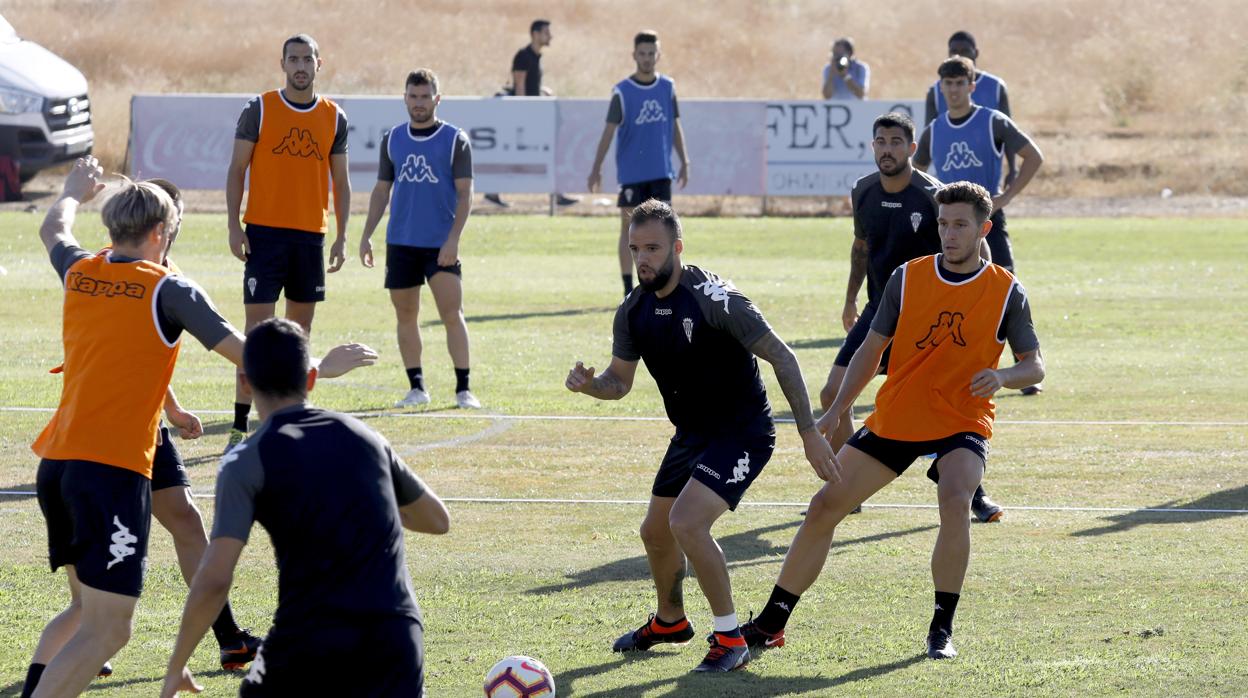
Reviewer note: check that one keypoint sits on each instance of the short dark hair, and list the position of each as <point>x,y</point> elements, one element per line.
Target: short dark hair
<point>648,36</point>
<point>424,76</point>
<point>895,119</point>
<point>963,36</point>
<point>170,188</point>
<point>304,39</point>
<point>957,67</point>
<point>845,41</point>
<point>538,25</point>
<point>967,193</point>
<point>655,210</point>
<point>275,358</point>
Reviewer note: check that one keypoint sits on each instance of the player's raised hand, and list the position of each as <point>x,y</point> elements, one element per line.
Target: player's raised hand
<point>345,358</point>
<point>175,683</point>
<point>337,255</point>
<point>239,245</point>
<point>84,180</point>
<point>189,426</point>
<point>986,383</point>
<point>580,378</point>
<point>849,314</point>
<point>366,252</point>
<point>820,456</point>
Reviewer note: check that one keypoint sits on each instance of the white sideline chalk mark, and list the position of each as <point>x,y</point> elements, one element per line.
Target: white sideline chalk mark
<point>803,505</point>
<point>500,424</point>
<point>625,418</point>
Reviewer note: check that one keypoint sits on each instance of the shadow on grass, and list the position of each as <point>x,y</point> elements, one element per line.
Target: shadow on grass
<point>1221,504</point>
<point>743,549</point>
<point>475,319</point>
<point>15,688</point>
<point>743,683</point>
<point>825,343</point>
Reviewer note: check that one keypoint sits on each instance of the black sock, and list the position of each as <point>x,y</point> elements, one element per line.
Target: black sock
<point>241,410</point>
<point>628,283</point>
<point>33,674</point>
<point>942,617</point>
<point>664,624</point>
<point>224,626</point>
<point>775,615</point>
<point>461,380</point>
<point>416,378</point>
<point>979,493</point>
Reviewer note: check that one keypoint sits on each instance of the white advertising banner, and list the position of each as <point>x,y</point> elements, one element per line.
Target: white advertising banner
<point>188,139</point>
<point>724,138</point>
<point>822,148</point>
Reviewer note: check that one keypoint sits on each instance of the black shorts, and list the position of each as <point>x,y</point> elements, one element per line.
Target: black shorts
<point>168,470</point>
<point>636,194</point>
<point>726,464</point>
<point>999,241</point>
<point>283,259</point>
<point>98,518</point>
<point>370,659</point>
<point>899,455</point>
<point>858,334</point>
<point>408,266</point>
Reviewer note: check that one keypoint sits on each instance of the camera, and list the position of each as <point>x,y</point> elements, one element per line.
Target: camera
<point>842,63</point>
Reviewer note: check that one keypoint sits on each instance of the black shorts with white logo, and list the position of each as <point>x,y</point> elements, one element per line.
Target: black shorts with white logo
<point>999,241</point>
<point>726,464</point>
<point>900,455</point>
<point>858,334</point>
<point>98,518</point>
<point>408,266</point>
<point>168,470</point>
<point>283,259</point>
<point>369,659</point>
<point>632,195</point>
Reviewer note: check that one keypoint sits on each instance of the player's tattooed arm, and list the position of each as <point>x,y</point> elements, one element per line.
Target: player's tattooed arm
<point>613,384</point>
<point>857,273</point>
<point>783,361</point>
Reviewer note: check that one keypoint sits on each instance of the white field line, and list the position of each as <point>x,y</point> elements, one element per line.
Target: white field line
<point>610,418</point>
<point>643,502</point>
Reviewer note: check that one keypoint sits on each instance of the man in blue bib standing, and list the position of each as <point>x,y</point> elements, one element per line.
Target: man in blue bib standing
<point>646,117</point>
<point>425,176</point>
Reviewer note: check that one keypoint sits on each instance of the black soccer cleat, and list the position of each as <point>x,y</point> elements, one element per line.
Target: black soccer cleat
<point>238,654</point>
<point>940,644</point>
<point>758,638</point>
<point>986,510</point>
<point>106,670</point>
<point>724,658</point>
<point>1032,390</point>
<point>651,634</point>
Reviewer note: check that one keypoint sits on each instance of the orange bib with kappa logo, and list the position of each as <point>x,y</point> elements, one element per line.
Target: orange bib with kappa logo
<point>290,165</point>
<point>946,333</point>
<point>117,366</point>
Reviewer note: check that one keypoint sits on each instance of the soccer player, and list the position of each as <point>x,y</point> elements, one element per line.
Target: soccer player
<point>646,115</point>
<point>124,315</point>
<point>425,176</point>
<point>699,337</point>
<point>294,142</point>
<point>967,143</point>
<point>946,317</point>
<point>346,622</point>
<point>894,222</point>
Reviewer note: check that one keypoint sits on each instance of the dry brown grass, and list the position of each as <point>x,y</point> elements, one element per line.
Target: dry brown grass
<point>1126,97</point>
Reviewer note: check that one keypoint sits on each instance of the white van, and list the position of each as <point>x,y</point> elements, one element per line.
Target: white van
<point>45,116</point>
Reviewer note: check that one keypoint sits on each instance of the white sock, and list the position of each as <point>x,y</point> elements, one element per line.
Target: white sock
<point>726,624</point>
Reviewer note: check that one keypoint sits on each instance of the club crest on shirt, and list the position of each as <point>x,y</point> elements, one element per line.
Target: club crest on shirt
<point>915,219</point>
<point>687,323</point>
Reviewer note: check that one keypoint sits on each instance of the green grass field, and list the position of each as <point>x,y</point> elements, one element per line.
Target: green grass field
<point>1142,325</point>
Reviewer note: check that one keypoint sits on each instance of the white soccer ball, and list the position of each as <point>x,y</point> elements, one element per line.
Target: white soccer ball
<point>519,677</point>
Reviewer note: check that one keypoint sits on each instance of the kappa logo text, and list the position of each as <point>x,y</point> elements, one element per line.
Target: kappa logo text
<point>416,169</point>
<point>77,281</point>
<point>946,326</point>
<point>299,143</point>
<point>712,473</point>
<point>960,157</point>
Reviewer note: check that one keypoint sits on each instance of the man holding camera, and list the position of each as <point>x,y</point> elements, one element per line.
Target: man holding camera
<point>845,77</point>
